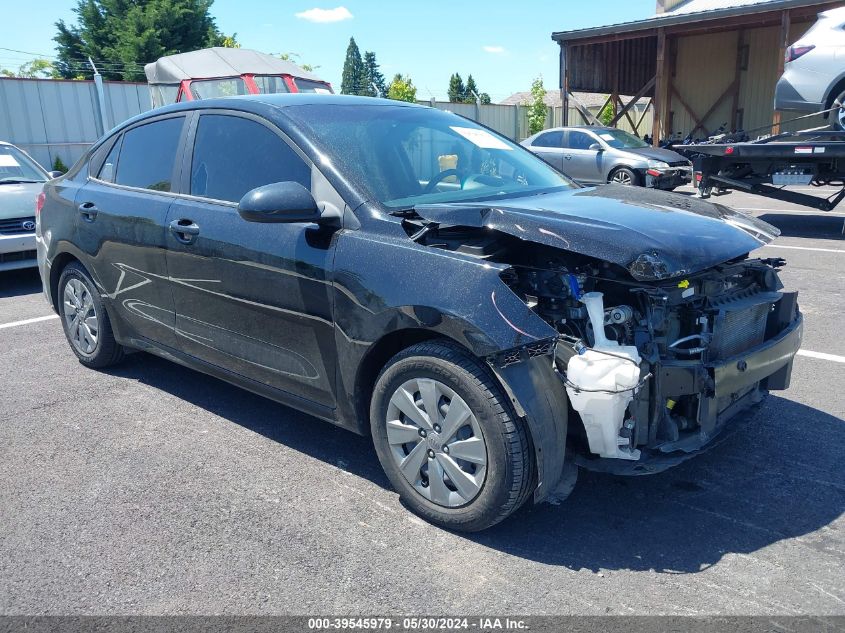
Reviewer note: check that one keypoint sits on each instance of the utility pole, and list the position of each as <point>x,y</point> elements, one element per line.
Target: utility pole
<point>101,98</point>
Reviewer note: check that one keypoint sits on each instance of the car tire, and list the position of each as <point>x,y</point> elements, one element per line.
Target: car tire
<point>85,320</point>
<point>415,455</point>
<point>837,117</point>
<point>624,176</point>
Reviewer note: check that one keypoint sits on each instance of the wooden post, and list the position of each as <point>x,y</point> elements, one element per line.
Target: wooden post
<point>783,42</point>
<point>661,96</point>
<point>564,85</point>
<point>740,40</point>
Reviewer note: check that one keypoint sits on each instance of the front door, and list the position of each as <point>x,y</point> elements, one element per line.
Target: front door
<point>549,147</point>
<point>580,162</point>
<point>252,298</point>
<point>121,218</point>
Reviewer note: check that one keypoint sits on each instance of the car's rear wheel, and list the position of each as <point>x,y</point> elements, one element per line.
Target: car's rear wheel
<point>84,319</point>
<point>624,176</point>
<point>448,438</point>
<point>837,117</point>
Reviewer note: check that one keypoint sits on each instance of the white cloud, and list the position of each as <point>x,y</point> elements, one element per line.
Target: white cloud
<point>324,16</point>
<point>495,50</point>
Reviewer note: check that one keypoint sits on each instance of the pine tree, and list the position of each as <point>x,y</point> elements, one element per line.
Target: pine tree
<point>470,90</point>
<point>374,85</point>
<point>122,35</point>
<point>353,78</point>
<point>456,89</point>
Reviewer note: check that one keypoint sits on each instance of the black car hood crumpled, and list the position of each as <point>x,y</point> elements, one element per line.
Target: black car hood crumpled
<point>618,224</point>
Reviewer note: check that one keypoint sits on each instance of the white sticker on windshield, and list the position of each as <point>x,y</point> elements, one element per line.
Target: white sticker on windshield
<point>481,138</point>
<point>607,137</point>
<point>7,160</point>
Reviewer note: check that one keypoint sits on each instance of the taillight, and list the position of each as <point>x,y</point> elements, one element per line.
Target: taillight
<point>795,51</point>
<point>39,203</point>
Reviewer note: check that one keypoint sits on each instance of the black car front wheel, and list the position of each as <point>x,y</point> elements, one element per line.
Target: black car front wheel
<point>448,439</point>
<point>84,319</point>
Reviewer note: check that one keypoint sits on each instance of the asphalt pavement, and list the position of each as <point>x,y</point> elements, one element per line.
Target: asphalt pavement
<point>152,489</point>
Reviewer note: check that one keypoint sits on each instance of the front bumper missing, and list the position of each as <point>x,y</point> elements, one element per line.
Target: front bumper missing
<point>741,380</point>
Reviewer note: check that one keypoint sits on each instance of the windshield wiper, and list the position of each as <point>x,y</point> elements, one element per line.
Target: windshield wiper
<point>17,181</point>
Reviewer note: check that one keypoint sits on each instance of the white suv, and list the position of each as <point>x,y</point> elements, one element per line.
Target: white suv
<point>814,74</point>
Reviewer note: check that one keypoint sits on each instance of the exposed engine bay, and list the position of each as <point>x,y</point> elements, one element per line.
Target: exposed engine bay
<point>649,366</point>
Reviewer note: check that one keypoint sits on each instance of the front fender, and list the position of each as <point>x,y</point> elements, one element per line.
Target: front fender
<point>380,292</point>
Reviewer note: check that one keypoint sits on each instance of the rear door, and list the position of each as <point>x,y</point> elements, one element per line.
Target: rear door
<point>252,298</point>
<point>122,211</point>
<point>549,147</point>
<point>580,162</point>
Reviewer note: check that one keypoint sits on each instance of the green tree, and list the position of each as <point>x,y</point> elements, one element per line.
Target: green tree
<point>35,69</point>
<point>374,85</point>
<point>352,80</point>
<point>485,98</point>
<point>294,57</point>
<point>456,92</point>
<point>606,114</point>
<point>402,89</point>
<point>122,35</point>
<point>537,110</point>
<point>470,90</point>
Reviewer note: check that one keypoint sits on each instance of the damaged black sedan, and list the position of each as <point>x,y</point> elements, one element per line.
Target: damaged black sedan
<point>406,273</point>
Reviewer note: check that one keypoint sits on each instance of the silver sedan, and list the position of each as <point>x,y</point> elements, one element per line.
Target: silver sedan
<point>596,155</point>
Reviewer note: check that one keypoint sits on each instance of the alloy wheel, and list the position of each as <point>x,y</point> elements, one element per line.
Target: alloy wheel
<point>436,442</point>
<point>80,317</point>
<point>621,178</point>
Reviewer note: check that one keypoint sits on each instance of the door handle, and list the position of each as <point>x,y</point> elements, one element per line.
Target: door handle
<point>185,231</point>
<point>88,211</point>
<point>568,157</point>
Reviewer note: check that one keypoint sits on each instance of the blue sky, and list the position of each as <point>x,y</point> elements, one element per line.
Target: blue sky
<point>503,43</point>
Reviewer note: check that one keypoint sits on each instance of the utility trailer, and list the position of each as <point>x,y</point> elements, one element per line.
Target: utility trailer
<point>765,166</point>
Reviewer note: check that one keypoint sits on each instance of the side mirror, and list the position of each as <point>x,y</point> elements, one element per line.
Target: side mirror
<point>279,202</point>
<point>596,147</point>
<point>55,174</point>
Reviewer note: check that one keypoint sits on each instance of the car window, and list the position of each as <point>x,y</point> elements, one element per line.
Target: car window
<point>213,88</point>
<point>305,85</point>
<point>579,140</point>
<point>620,139</point>
<point>403,155</point>
<point>270,84</point>
<point>148,154</point>
<point>549,139</point>
<point>15,166</point>
<point>233,155</point>
<point>110,164</point>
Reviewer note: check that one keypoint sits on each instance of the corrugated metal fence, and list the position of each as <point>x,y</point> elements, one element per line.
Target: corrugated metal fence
<point>59,119</point>
<point>54,118</point>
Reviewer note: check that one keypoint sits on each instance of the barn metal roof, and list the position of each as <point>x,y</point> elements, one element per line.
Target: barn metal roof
<point>688,12</point>
<point>220,62</point>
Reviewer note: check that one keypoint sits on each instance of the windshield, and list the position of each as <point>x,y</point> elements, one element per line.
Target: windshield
<point>15,166</point>
<point>404,156</point>
<point>620,139</point>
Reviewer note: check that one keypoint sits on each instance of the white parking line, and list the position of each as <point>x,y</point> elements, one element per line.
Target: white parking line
<point>3,326</point>
<point>821,356</point>
<point>801,352</point>
<point>804,248</point>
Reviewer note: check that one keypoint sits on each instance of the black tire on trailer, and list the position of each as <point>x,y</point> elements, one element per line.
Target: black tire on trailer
<point>467,466</point>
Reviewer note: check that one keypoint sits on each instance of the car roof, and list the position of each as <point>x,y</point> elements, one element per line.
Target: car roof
<point>259,104</point>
